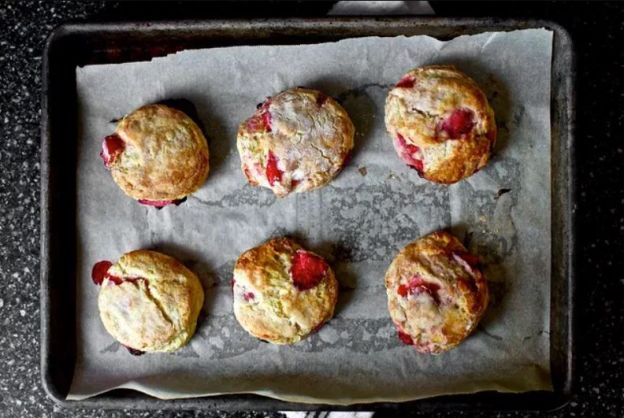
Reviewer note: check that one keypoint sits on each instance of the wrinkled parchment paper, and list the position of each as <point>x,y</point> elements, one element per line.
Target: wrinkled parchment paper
<point>359,222</point>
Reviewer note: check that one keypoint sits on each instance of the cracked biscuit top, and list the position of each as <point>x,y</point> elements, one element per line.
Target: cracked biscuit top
<point>157,155</point>
<point>149,301</point>
<point>436,293</point>
<point>297,140</point>
<point>282,292</point>
<point>441,123</point>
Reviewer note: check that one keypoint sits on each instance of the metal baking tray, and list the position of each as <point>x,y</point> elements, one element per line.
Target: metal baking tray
<point>95,43</point>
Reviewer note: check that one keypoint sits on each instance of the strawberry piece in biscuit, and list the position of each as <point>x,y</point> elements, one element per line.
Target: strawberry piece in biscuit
<point>307,270</point>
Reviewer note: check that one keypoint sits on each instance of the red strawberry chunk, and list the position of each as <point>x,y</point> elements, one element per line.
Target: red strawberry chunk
<point>405,338</point>
<point>459,123</point>
<point>157,203</point>
<point>273,173</point>
<point>114,279</point>
<point>410,153</point>
<point>248,296</point>
<point>261,120</point>
<point>403,290</point>
<point>418,285</point>
<point>112,146</point>
<point>255,123</point>
<point>266,120</point>
<point>100,271</point>
<point>265,105</point>
<point>119,280</point>
<point>307,270</point>
<point>406,82</point>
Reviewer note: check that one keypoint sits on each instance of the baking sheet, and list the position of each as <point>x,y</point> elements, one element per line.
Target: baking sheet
<point>358,222</point>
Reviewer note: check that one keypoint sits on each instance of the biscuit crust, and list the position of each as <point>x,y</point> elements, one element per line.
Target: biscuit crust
<point>153,302</point>
<point>268,305</point>
<point>436,293</point>
<point>441,123</point>
<point>165,154</point>
<point>297,140</point>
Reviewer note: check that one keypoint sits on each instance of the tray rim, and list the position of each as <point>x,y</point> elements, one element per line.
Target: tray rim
<point>136,400</point>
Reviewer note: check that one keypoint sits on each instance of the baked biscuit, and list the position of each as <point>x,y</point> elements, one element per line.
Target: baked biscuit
<point>148,301</point>
<point>441,123</point>
<point>283,292</point>
<point>297,140</point>
<point>157,155</point>
<point>436,293</point>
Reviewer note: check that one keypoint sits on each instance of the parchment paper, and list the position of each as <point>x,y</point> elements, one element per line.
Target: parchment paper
<point>359,222</point>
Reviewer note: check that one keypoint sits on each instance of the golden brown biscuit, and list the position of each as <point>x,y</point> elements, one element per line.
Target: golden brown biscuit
<point>283,292</point>
<point>148,301</point>
<point>157,155</point>
<point>436,293</point>
<point>297,140</point>
<point>441,123</point>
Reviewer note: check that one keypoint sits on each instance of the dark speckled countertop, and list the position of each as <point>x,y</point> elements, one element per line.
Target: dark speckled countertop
<point>597,30</point>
